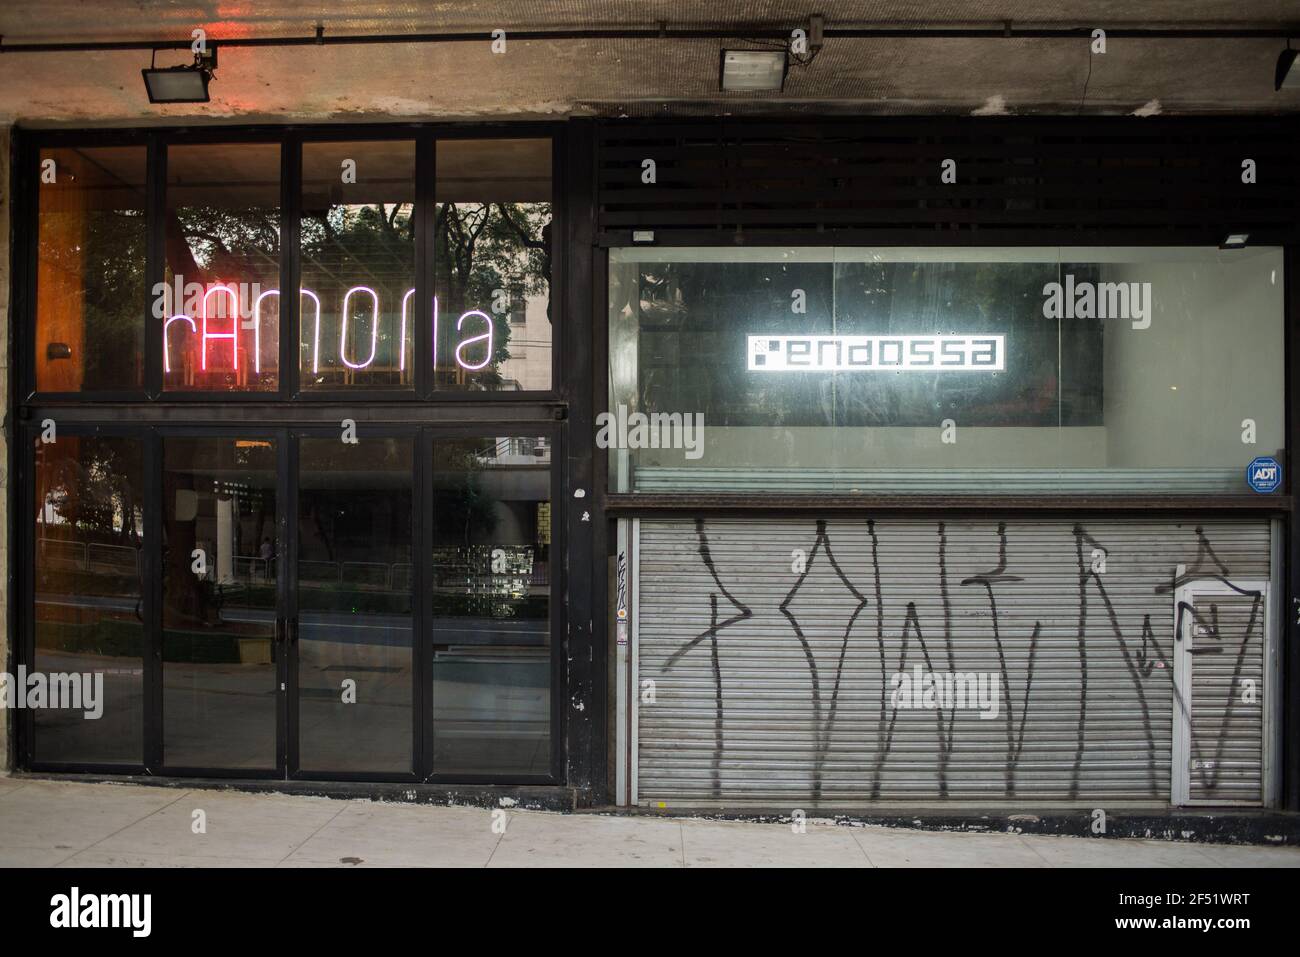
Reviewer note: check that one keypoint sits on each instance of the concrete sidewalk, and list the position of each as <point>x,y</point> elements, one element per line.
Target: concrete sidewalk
<point>71,824</point>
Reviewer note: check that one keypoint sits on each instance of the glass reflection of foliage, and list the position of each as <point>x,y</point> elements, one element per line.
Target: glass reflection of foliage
<point>114,270</point>
<point>349,245</point>
<point>225,245</point>
<point>91,283</point>
<point>88,494</point>
<point>480,248</point>
<point>222,225</point>
<point>460,501</point>
<point>354,505</point>
<point>476,574</point>
<point>89,485</point>
<point>87,610</point>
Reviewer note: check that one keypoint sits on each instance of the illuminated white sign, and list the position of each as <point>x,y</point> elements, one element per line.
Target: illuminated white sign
<point>947,353</point>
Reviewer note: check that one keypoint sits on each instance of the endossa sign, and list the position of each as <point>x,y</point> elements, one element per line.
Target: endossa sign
<point>219,316</point>
<point>945,353</point>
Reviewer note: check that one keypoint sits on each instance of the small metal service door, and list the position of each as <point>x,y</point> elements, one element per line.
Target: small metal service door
<point>1221,632</point>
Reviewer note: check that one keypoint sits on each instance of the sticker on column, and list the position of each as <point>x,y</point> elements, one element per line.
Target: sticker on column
<point>1264,474</point>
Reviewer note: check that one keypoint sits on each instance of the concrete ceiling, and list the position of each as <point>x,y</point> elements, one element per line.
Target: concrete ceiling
<point>653,77</point>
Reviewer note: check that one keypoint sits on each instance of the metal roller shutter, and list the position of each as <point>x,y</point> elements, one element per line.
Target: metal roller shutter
<point>1227,681</point>
<point>772,680</point>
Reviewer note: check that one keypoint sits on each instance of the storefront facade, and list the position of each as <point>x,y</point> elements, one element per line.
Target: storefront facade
<point>294,549</point>
<point>976,517</point>
<point>723,462</point>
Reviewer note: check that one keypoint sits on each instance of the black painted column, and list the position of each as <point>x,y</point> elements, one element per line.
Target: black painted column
<point>583,704</point>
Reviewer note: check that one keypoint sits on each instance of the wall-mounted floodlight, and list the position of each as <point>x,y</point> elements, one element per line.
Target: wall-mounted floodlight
<point>1285,74</point>
<point>181,84</point>
<point>753,70</point>
<point>1235,241</point>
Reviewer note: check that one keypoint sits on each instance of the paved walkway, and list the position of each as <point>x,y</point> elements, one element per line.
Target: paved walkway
<point>46,824</point>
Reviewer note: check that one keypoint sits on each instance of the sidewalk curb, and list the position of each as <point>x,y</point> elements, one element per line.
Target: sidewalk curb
<point>1209,826</point>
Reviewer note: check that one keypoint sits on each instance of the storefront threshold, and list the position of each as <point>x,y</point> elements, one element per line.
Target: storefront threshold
<point>1207,825</point>
<point>527,797</point>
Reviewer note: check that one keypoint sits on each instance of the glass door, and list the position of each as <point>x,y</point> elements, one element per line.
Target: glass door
<point>354,704</point>
<point>491,562</point>
<point>220,603</point>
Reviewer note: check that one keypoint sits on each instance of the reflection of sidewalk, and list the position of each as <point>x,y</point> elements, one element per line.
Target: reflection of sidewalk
<point>46,823</point>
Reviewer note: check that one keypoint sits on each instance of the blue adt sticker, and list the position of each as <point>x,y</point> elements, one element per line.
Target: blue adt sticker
<point>1264,474</point>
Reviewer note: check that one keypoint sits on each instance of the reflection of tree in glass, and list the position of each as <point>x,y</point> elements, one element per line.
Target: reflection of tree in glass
<point>376,243</point>
<point>87,494</point>
<point>209,244</point>
<point>93,492</point>
<point>483,247</point>
<point>459,498</point>
<point>344,246</point>
<point>109,265</point>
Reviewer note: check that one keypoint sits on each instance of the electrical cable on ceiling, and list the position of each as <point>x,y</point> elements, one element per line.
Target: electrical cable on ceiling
<point>660,32</point>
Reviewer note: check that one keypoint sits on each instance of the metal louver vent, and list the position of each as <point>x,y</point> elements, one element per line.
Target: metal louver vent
<point>1169,179</point>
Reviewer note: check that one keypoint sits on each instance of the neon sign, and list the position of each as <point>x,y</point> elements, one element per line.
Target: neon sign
<point>462,355</point>
<point>232,335</point>
<point>374,327</point>
<point>943,353</point>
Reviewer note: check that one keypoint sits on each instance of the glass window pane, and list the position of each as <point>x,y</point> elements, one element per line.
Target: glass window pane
<point>492,260</point>
<point>219,603</point>
<point>222,225</point>
<point>90,281</point>
<point>355,681</point>
<point>933,370</point>
<point>358,265</point>
<point>491,605</point>
<point>1184,380</point>
<point>89,607</point>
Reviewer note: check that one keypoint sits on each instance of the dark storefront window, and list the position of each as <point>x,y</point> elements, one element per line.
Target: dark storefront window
<point>290,561</point>
<point>355,679</point>
<point>358,265</point>
<point>893,370</point>
<point>222,248</point>
<point>90,281</point>
<point>219,603</point>
<point>89,585</point>
<point>492,260</point>
<point>491,599</point>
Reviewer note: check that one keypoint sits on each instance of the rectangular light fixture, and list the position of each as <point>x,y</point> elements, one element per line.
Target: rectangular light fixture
<point>182,84</point>
<point>176,84</point>
<point>1235,241</point>
<point>753,70</point>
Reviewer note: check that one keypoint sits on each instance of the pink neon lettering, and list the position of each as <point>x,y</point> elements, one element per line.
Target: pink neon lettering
<point>257,329</point>
<point>487,355</point>
<point>167,363</point>
<point>406,303</point>
<point>233,335</point>
<point>487,337</point>
<point>315,339</point>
